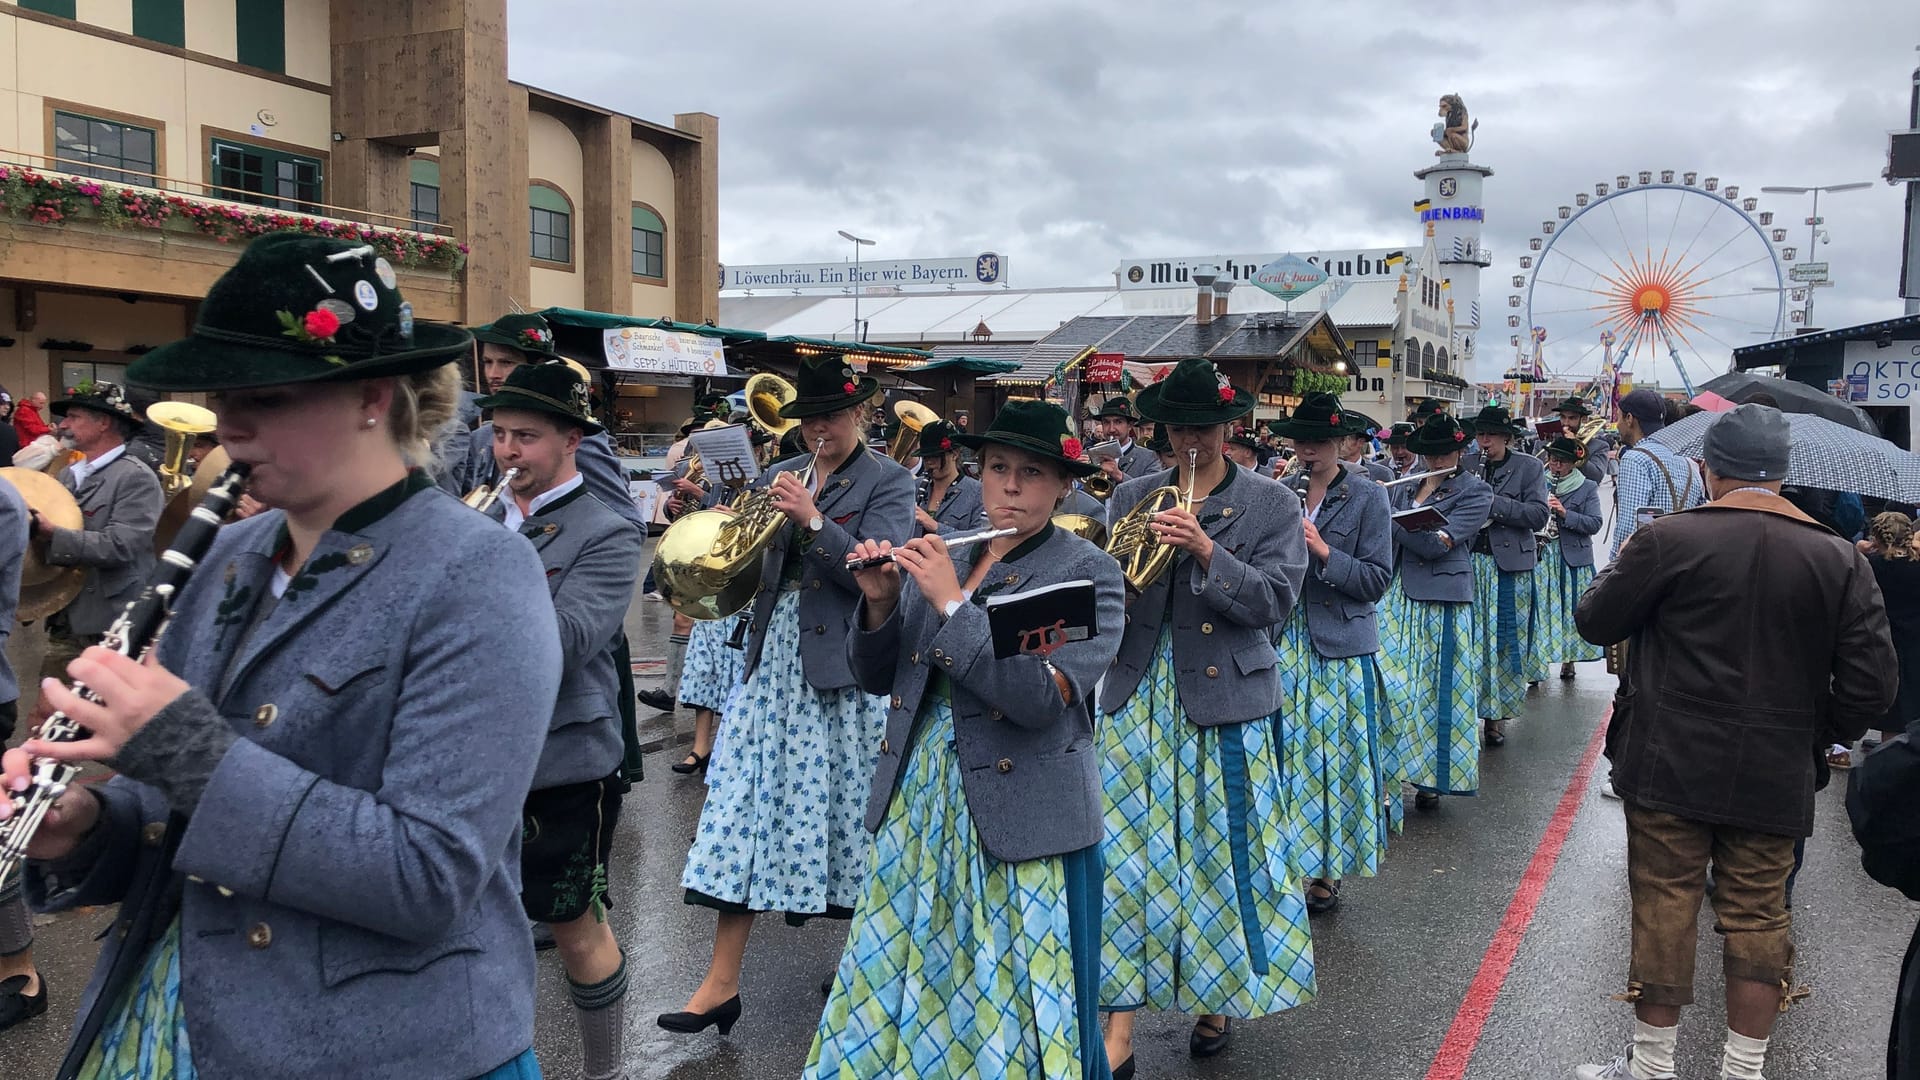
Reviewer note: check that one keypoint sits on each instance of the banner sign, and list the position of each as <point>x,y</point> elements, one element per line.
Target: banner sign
<point>1289,277</point>
<point>896,275</point>
<point>1105,367</point>
<point>1891,375</point>
<point>1145,374</point>
<point>663,352</point>
<point>1166,273</point>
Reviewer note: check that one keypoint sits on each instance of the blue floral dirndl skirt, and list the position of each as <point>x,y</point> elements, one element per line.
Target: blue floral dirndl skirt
<point>958,964</point>
<point>1204,912</point>
<point>784,823</point>
<point>713,669</point>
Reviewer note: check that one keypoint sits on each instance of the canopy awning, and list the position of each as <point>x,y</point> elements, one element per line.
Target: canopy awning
<point>971,365</point>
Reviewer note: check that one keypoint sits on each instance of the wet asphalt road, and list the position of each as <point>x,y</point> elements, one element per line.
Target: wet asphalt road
<point>1394,961</point>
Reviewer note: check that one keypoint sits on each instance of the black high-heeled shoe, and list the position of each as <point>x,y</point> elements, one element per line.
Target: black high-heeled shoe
<point>1125,1069</point>
<point>1200,1044</point>
<point>696,763</point>
<point>723,1016</point>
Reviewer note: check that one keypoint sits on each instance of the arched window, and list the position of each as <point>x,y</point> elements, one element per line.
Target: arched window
<point>1442,354</point>
<point>1410,359</point>
<point>551,218</point>
<point>1426,356</point>
<point>649,244</point>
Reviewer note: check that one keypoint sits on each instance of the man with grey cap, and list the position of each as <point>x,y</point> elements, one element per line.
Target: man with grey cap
<point>1758,638</point>
<point>1650,475</point>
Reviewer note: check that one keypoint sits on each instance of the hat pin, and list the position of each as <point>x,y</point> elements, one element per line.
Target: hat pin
<point>364,251</point>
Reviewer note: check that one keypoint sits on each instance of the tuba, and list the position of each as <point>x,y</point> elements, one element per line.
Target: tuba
<point>181,422</point>
<point>1143,558</point>
<point>912,416</point>
<point>766,392</point>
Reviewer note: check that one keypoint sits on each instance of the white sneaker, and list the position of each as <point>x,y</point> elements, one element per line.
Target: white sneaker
<point>1607,792</point>
<point>652,596</point>
<point>1617,1069</point>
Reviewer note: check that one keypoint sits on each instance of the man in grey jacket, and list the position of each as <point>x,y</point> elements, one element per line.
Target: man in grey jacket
<point>591,557</point>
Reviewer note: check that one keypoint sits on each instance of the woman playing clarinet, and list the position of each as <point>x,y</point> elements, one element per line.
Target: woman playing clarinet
<point>984,898</point>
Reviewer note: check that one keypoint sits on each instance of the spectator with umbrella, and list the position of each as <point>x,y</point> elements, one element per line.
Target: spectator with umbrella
<point>1891,551</point>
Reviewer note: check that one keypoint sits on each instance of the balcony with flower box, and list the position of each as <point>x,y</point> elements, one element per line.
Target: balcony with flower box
<point>175,239</point>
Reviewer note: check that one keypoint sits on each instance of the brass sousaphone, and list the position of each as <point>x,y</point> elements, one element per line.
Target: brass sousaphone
<point>45,589</point>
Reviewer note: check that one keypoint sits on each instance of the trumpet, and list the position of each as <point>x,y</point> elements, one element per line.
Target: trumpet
<point>1143,556</point>
<point>483,497</point>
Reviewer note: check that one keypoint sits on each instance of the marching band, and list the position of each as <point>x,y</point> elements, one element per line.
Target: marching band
<point>1133,800</point>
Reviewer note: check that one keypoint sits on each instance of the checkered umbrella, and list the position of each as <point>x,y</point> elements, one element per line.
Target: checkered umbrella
<point>1826,455</point>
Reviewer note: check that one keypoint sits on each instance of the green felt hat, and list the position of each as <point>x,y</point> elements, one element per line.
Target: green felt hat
<point>552,388</point>
<point>1037,427</point>
<point>1242,437</point>
<point>1571,449</point>
<point>299,309</point>
<point>107,398</point>
<point>1439,434</point>
<point>525,331</point>
<point>826,384</point>
<point>1493,420</point>
<point>1194,394</point>
<point>1397,434</point>
<point>938,438</point>
<point>1119,408</point>
<point>1316,419</point>
<point>1574,405</point>
<point>1160,443</point>
<point>1426,408</point>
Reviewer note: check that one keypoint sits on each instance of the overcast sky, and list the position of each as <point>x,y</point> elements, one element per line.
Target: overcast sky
<point>1068,136</point>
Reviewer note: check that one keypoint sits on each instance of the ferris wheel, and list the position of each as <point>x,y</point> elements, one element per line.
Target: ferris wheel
<point>1647,271</point>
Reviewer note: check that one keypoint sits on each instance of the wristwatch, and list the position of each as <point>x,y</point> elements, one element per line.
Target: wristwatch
<point>816,523</point>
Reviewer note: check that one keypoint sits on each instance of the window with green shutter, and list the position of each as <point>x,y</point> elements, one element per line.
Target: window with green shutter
<point>649,244</point>
<point>164,21</point>
<point>104,149</point>
<point>551,217</point>
<point>62,8</point>
<point>425,178</point>
<point>255,174</point>
<point>260,34</point>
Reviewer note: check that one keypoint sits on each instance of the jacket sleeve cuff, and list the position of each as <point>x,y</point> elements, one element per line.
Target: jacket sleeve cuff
<point>959,644</point>
<point>245,812</point>
<point>178,750</point>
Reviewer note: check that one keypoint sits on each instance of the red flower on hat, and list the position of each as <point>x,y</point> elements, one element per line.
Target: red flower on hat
<point>1070,447</point>
<point>850,388</point>
<point>1226,395</point>
<point>322,324</point>
<point>946,444</point>
<point>1459,436</point>
<point>1334,419</point>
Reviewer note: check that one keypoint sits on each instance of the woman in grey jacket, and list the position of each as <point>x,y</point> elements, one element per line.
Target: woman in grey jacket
<point>1332,722</point>
<point>1428,635</point>
<point>310,883</point>
<point>1566,561</point>
<point>986,802</point>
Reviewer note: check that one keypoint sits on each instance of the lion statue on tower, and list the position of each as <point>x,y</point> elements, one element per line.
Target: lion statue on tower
<point>1454,133</point>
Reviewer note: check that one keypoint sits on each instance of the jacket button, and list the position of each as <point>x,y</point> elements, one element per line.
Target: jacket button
<point>995,714</point>
<point>895,702</point>
<point>816,583</point>
<point>915,658</point>
<point>819,551</point>
<point>1005,765</point>
<point>265,714</point>
<point>223,890</point>
<point>1128,618</point>
<point>947,661</point>
<point>260,936</point>
<point>821,629</point>
<point>937,654</point>
<point>1206,628</point>
<point>884,748</point>
<point>153,833</point>
<point>1213,672</point>
<point>1228,512</point>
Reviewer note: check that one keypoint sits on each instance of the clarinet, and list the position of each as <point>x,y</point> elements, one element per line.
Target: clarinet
<point>133,634</point>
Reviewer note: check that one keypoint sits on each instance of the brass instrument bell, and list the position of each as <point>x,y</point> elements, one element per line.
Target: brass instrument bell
<point>912,416</point>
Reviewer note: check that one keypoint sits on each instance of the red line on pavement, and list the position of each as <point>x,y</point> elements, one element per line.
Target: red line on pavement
<point>1456,1050</point>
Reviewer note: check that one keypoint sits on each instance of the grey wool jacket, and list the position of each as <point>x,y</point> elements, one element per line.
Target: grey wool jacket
<point>1028,760</point>
<point>15,524</point>
<point>1340,593</point>
<point>1519,508</point>
<point>1429,569</point>
<point>1582,522</point>
<point>869,497</point>
<point>960,507</point>
<point>1225,618</point>
<point>597,462</point>
<point>591,556</point>
<point>333,811</point>
<point>120,505</point>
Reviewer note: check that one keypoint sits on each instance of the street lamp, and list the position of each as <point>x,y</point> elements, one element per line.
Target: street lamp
<point>1813,227</point>
<point>858,243</point>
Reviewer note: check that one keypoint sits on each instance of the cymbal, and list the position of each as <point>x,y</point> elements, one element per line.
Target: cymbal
<point>55,503</point>
<point>39,601</point>
<point>180,507</point>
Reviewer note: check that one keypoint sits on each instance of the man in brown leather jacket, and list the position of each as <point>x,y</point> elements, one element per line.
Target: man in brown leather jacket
<point>1758,637</point>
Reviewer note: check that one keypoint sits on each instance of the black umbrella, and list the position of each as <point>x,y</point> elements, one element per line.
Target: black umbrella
<point>1793,397</point>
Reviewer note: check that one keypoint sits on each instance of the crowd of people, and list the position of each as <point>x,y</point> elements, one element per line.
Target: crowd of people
<point>1048,782</point>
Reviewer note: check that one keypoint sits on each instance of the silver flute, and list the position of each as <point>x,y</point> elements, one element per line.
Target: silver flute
<point>963,540</point>
<point>1411,477</point>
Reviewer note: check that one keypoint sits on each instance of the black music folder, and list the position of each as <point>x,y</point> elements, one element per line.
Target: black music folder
<point>1041,620</point>
<point>1420,519</point>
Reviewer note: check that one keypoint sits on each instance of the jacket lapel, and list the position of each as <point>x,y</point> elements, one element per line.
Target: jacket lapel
<point>339,561</point>
<point>835,487</point>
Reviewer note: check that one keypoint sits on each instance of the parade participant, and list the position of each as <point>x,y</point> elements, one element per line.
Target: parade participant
<point>1242,449</point>
<point>1566,561</point>
<point>947,500</point>
<point>780,830</point>
<point>1115,421</point>
<point>1162,449</point>
<point>1574,412</point>
<point>1202,912</point>
<point>1356,446</point>
<point>1429,638</point>
<point>986,802</point>
<point>591,555</point>
<point>308,879</point>
<point>1648,474</point>
<point>1403,461</point>
<point>1504,555</point>
<point>1741,670</point>
<point>120,499</point>
<point>1332,724</point>
<point>23,991</point>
